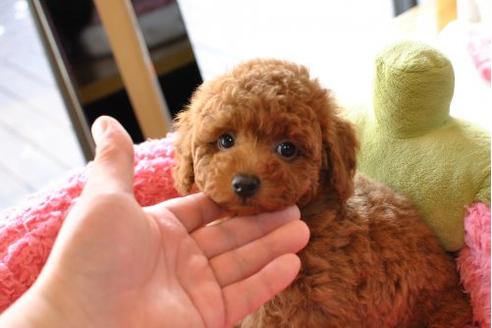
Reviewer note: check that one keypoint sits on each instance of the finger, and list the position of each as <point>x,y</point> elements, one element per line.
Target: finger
<point>112,168</point>
<point>246,296</point>
<point>193,211</point>
<point>245,261</point>
<point>231,234</point>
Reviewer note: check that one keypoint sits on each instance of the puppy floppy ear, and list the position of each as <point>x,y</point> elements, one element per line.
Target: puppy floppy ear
<point>340,145</point>
<point>183,171</point>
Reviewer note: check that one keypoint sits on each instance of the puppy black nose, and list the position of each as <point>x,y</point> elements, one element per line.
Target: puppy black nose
<point>245,186</point>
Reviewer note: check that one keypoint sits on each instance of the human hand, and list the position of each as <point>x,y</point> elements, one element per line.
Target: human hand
<point>115,264</point>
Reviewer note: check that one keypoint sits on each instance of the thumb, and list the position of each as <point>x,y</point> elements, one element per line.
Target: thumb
<point>112,169</point>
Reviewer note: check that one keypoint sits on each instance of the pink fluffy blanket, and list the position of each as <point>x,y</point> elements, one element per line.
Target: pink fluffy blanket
<point>28,231</point>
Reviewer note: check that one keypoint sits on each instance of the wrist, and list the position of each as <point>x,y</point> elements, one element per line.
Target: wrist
<point>39,309</point>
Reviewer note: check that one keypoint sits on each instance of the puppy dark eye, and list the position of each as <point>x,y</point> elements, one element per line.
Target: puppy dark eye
<point>287,150</point>
<point>225,141</point>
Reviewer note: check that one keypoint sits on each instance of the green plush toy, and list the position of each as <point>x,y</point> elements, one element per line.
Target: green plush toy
<point>410,142</point>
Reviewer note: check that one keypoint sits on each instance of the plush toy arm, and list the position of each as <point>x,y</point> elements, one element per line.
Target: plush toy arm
<point>483,194</point>
<point>28,231</point>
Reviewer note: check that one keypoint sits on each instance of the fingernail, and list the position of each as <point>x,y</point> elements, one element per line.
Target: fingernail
<point>295,211</point>
<point>99,127</point>
<point>291,212</point>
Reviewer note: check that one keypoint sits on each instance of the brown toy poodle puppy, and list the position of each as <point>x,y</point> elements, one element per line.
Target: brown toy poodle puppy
<point>266,136</point>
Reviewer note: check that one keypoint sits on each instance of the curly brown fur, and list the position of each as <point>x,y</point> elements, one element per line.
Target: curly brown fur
<point>370,262</point>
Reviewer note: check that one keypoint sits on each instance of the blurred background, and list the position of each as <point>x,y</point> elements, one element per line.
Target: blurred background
<point>58,70</point>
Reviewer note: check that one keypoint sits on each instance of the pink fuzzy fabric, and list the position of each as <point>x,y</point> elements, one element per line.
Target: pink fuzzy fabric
<point>28,231</point>
<point>479,48</point>
<point>474,262</point>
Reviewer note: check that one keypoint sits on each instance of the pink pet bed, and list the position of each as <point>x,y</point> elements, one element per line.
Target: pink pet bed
<point>28,231</point>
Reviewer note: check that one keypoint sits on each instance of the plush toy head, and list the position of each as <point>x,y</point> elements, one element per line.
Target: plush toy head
<point>409,141</point>
<point>413,89</point>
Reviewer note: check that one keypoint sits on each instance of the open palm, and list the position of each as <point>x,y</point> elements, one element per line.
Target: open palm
<point>116,264</point>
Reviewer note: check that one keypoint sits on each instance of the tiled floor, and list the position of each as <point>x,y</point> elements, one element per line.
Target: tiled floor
<point>37,142</point>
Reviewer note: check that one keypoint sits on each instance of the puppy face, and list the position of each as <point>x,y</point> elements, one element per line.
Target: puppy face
<point>259,139</point>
